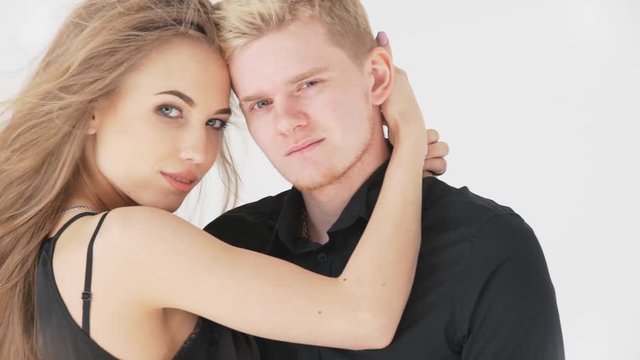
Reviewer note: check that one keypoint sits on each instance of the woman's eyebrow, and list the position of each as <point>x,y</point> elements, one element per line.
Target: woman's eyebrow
<point>186,98</point>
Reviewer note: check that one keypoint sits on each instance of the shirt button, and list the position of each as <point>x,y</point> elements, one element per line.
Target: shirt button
<point>322,257</point>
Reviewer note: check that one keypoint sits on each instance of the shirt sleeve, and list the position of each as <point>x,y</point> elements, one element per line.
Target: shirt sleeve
<point>508,299</point>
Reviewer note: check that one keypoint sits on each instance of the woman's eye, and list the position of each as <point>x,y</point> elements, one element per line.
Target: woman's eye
<point>216,124</point>
<point>170,111</point>
<point>261,104</point>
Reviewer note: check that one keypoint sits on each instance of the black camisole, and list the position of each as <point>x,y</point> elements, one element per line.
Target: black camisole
<point>61,338</point>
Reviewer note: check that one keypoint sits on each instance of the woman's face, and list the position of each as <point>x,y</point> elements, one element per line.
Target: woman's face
<point>159,133</point>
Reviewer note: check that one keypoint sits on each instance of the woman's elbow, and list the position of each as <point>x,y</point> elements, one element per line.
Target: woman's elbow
<point>376,333</point>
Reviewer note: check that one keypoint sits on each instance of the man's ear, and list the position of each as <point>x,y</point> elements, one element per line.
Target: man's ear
<point>381,68</point>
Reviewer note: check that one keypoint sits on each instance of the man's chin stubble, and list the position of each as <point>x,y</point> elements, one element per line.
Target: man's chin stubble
<point>333,176</point>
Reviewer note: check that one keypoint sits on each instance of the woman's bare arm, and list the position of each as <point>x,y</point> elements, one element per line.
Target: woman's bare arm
<point>165,262</point>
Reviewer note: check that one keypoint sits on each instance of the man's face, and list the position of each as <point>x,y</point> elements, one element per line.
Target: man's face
<point>307,104</point>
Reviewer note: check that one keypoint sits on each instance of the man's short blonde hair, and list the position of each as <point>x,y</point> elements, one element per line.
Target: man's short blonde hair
<point>345,22</point>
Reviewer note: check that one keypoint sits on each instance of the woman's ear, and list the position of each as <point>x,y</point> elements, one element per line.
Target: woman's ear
<point>97,111</point>
<point>92,129</point>
<point>381,68</point>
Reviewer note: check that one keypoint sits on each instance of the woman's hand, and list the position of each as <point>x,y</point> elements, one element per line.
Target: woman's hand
<point>402,113</point>
<point>402,106</point>
<point>435,163</point>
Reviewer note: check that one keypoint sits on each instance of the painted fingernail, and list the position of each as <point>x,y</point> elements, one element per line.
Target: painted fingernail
<point>382,38</point>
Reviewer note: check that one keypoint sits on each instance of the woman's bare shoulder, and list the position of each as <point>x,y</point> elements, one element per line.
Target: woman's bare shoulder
<point>138,228</point>
<point>132,220</point>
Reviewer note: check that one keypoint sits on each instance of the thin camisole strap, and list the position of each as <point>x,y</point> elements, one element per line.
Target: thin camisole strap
<point>69,222</point>
<point>86,293</point>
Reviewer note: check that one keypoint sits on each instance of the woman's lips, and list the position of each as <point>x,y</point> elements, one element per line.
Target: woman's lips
<point>182,182</point>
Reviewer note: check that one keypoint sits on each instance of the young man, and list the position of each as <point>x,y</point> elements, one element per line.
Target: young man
<point>310,80</point>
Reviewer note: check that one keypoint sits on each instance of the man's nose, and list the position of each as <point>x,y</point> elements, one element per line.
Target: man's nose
<point>289,116</point>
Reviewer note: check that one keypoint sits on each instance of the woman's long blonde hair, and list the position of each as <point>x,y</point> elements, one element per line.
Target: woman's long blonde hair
<point>41,146</point>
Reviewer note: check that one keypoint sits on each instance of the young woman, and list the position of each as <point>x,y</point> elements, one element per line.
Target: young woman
<point>122,118</point>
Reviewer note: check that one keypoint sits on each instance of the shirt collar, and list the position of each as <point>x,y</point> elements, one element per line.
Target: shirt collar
<point>288,227</point>
<point>360,206</point>
<point>362,202</point>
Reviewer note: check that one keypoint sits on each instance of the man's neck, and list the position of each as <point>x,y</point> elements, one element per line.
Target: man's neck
<point>324,205</point>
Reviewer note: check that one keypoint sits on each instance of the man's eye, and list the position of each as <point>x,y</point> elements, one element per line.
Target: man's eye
<point>216,124</point>
<point>309,84</point>
<point>261,104</point>
<point>170,111</point>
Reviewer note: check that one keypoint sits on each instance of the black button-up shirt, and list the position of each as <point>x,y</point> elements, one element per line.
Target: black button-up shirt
<point>482,289</point>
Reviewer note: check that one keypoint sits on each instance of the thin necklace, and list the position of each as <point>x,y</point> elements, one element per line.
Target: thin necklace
<point>76,207</point>
<point>304,231</point>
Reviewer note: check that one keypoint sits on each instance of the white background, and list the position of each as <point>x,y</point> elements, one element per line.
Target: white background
<point>540,102</point>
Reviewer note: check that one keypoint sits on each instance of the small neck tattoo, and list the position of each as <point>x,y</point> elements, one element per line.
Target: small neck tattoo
<point>77,207</point>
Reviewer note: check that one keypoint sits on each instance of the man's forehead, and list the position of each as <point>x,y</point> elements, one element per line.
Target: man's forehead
<point>297,42</point>
<point>277,58</point>
<point>251,73</point>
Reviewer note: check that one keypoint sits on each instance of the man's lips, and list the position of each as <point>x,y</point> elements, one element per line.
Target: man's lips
<point>303,145</point>
<point>182,181</point>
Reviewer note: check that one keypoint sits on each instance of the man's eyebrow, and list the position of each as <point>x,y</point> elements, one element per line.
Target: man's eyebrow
<point>180,95</point>
<point>307,74</point>
<point>292,81</point>
<point>251,98</point>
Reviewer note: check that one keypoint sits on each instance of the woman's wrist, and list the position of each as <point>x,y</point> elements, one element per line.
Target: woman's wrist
<point>410,152</point>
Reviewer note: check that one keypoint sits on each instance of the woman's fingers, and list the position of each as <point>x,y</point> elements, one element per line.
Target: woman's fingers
<point>383,41</point>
